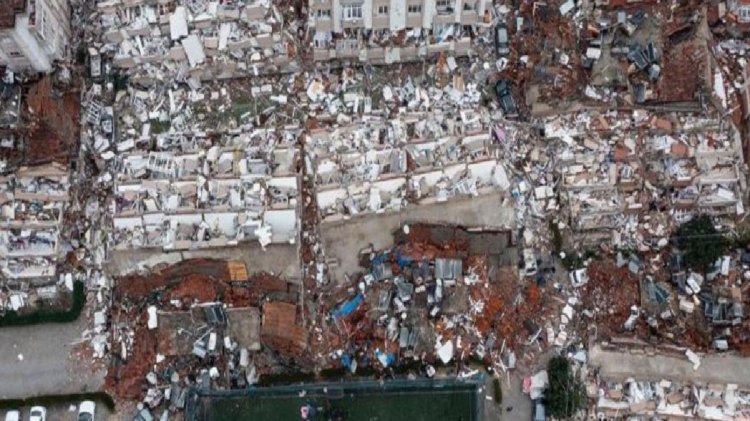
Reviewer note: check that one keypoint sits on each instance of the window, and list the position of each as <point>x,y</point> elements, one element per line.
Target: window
<point>322,39</point>
<point>745,14</point>
<point>382,10</point>
<point>14,53</point>
<point>352,11</point>
<point>469,6</point>
<point>444,7</point>
<point>347,45</point>
<point>324,14</point>
<point>414,8</point>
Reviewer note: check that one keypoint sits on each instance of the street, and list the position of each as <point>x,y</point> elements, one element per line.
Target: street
<point>37,359</point>
<point>714,368</point>
<point>513,398</point>
<point>63,412</point>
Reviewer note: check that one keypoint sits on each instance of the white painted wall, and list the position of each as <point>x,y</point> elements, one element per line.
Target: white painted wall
<point>428,11</point>
<point>398,15</point>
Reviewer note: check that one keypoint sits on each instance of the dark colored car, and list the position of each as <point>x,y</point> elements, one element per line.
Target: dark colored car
<point>505,98</point>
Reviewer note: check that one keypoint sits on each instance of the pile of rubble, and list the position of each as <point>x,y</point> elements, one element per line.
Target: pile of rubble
<point>668,399</point>
<point>198,40</point>
<point>432,301</point>
<point>198,324</point>
<point>179,156</point>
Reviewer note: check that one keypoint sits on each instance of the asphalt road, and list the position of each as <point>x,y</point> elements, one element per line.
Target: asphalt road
<point>515,406</point>
<point>37,359</point>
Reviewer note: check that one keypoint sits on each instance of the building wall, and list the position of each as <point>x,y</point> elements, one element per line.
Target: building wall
<point>742,12</point>
<point>423,13</point>
<point>394,15</point>
<point>56,30</point>
<point>33,46</point>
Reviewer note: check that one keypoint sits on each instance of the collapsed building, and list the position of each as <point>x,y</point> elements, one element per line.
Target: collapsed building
<point>181,182</point>
<point>388,165</point>
<point>185,197</point>
<point>631,164</point>
<point>200,40</point>
<point>33,203</point>
<point>185,158</point>
<point>35,192</point>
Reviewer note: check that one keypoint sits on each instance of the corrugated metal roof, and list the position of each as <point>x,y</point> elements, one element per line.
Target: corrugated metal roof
<point>448,268</point>
<point>280,329</point>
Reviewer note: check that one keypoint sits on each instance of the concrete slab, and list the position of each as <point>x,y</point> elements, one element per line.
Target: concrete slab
<point>244,327</point>
<point>342,239</point>
<point>716,368</point>
<point>176,328</point>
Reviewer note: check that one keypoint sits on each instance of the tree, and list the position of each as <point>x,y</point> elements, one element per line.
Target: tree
<point>701,242</point>
<point>565,395</point>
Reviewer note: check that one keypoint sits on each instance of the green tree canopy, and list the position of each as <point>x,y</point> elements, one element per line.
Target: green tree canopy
<point>701,242</point>
<point>565,395</point>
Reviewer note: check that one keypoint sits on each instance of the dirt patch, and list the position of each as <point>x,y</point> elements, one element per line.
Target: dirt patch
<point>187,283</point>
<point>54,126</point>
<point>610,293</point>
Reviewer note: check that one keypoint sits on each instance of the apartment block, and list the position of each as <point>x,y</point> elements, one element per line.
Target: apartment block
<point>33,33</point>
<point>389,31</point>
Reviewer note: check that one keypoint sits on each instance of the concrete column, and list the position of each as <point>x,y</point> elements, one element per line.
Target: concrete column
<point>398,15</point>
<point>428,11</point>
<point>336,15</point>
<point>367,14</point>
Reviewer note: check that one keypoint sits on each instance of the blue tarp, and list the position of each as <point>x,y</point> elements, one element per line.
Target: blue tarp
<point>348,307</point>
<point>379,258</point>
<point>404,260</point>
<point>346,360</point>
<point>385,359</point>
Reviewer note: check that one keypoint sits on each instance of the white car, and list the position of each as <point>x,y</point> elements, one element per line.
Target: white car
<point>13,415</point>
<point>38,413</point>
<point>86,411</point>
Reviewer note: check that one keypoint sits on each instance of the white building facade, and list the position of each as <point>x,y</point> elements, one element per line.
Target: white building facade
<point>33,33</point>
<point>392,30</point>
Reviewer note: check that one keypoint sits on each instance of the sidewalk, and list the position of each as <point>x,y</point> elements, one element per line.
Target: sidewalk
<point>713,369</point>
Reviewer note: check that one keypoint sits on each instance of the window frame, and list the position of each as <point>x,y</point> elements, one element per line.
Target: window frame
<point>348,11</point>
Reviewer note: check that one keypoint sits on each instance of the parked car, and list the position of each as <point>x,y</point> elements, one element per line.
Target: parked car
<point>38,413</point>
<point>502,40</point>
<point>505,98</point>
<point>539,410</point>
<point>86,411</point>
<point>13,415</point>
<point>143,415</point>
